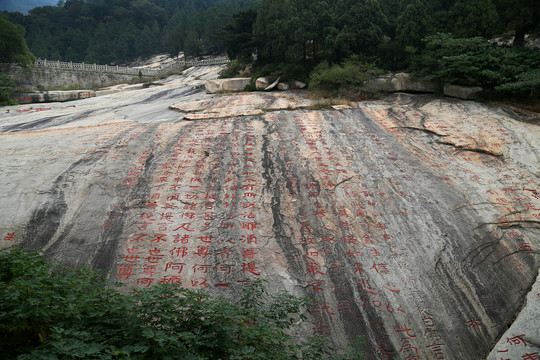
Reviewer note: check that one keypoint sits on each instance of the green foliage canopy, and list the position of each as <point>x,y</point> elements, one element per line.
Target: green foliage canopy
<point>13,48</point>
<point>116,31</point>
<point>474,61</point>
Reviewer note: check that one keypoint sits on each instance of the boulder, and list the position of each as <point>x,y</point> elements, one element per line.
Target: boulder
<point>235,84</point>
<point>462,92</point>
<point>381,84</point>
<point>404,82</point>
<point>283,86</point>
<point>401,82</point>
<point>299,85</point>
<point>262,83</point>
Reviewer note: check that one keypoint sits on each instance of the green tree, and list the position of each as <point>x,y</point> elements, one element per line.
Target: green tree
<point>357,28</point>
<point>13,48</point>
<point>192,44</point>
<point>6,89</point>
<point>474,18</point>
<point>269,34</point>
<point>414,23</point>
<point>239,35</point>
<point>175,34</point>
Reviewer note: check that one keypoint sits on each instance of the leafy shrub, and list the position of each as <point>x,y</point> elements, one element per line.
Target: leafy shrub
<point>232,70</point>
<point>51,312</point>
<point>342,79</point>
<point>251,86</point>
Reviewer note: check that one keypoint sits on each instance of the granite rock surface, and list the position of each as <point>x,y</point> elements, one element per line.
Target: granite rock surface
<point>413,221</point>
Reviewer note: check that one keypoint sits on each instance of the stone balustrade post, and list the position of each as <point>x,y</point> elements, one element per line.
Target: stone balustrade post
<point>71,64</point>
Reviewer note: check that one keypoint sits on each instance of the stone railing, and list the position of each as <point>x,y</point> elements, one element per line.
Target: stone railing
<point>127,70</point>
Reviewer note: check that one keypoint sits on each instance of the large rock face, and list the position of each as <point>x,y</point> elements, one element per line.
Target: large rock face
<point>412,221</point>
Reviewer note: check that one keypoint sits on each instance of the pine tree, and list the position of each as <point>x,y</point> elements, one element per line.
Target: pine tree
<point>415,23</point>
<point>474,18</point>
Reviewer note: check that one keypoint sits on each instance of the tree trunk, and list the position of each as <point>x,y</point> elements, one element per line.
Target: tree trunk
<point>519,39</point>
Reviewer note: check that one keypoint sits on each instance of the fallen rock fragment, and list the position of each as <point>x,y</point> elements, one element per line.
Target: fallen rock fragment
<point>272,85</point>
<point>223,114</point>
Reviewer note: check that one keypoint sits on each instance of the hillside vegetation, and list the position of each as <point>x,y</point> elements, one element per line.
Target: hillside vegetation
<point>115,31</point>
<point>444,39</point>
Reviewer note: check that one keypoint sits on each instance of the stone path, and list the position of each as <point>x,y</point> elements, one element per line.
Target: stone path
<point>413,221</point>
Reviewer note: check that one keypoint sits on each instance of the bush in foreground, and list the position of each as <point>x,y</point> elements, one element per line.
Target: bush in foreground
<point>51,312</point>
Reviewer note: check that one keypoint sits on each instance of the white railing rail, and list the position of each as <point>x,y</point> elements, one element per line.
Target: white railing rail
<point>127,70</point>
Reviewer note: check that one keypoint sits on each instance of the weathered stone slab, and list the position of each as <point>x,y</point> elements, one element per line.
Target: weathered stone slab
<point>235,84</point>
<point>243,102</point>
<point>223,114</point>
<point>405,82</point>
<point>401,82</point>
<point>226,85</point>
<point>213,86</point>
<point>462,92</point>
